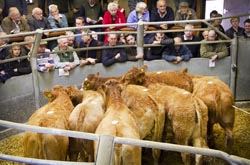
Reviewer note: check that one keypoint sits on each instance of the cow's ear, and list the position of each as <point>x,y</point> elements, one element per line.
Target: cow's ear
<point>184,71</point>
<point>144,68</point>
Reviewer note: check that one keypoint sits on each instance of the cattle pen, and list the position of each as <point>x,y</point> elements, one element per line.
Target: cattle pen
<point>18,102</point>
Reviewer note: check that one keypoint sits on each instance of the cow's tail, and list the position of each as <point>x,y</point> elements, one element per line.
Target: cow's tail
<point>202,119</point>
<point>159,121</point>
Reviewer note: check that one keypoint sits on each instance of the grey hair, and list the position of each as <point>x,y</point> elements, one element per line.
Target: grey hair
<point>140,6</point>
<point>53,6</point>
<point>112,5</point>
<point>189,26</point>
<point>62,38</point>
<point>35,10</point>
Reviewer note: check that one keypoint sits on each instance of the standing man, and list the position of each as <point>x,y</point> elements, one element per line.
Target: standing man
<point>213,51</point>
<point>235,28</point>
<point>190,37</point>
<point>113,55</point>
<point>247,28</point>
<point>65,57</point>
<point>132,51</point>
<point>176,53</point>
<point>89,56</point>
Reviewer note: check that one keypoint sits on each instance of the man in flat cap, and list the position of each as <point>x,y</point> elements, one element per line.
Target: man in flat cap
<point>192,4</point>
<point>185,13</point>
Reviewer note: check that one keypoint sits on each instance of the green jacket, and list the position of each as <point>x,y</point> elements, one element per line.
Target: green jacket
<point>67,56</point>
<point>208,50</point>
<point>9,26</point>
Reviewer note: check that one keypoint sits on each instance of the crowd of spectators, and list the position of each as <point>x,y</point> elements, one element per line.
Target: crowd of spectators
<point>61,53</point>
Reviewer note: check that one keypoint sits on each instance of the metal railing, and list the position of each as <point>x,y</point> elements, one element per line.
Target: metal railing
<point>104,155</point>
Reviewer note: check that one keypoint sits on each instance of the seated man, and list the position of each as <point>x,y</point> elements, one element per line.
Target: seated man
<point>38,21</point>
<point>215,50</point>
<point>65,56</point>
<point>176,53</point>
<point>45,60</point>
<point>14,23</point>
<point>113,55</point>
<point>235,28</point>
<point>89,56</point>
<point>161,13</point>
<point>189,37</point>
<point>185,13</point>
<point>132,51</point>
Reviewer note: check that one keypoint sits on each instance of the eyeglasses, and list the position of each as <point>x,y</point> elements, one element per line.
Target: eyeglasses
<point>39,13</point>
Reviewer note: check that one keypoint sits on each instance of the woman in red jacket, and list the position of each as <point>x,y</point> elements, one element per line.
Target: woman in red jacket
<point>112,16</point>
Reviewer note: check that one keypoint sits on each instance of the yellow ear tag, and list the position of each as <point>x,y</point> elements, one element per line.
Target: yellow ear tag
<point>49,95</point>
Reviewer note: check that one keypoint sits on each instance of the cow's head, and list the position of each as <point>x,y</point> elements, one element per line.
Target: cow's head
<point>90,81</point>
<point>135,76</point>
<point>75,94</point>
<point>54,92</point>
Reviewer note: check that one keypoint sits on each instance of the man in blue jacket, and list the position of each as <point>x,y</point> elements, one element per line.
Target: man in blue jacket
<point>176,53</point>
<point>113,55</point>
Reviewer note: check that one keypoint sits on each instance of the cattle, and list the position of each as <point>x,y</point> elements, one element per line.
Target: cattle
<point>85,118</point>
<point>119,121</point>
<point>54,115</point>
<point>187,114</point>
<point>173,78</point>
<point>148,112</point>
<point>93,81</point>
<point>219,100</point>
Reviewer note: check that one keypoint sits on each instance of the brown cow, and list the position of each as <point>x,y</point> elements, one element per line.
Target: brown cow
<point>186,113</point>
<point>219,100</point>
<point>149,114</point>
<point>119,121</point>
<point>173,78</point>
<point>55,115</point>
<point>85,118</point>
<point>93,81</point>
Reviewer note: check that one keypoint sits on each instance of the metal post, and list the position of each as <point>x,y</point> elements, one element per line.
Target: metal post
<point>33,62</point>
<point>105,150</point>
<point>234,50</point>
<point>140,41</point>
